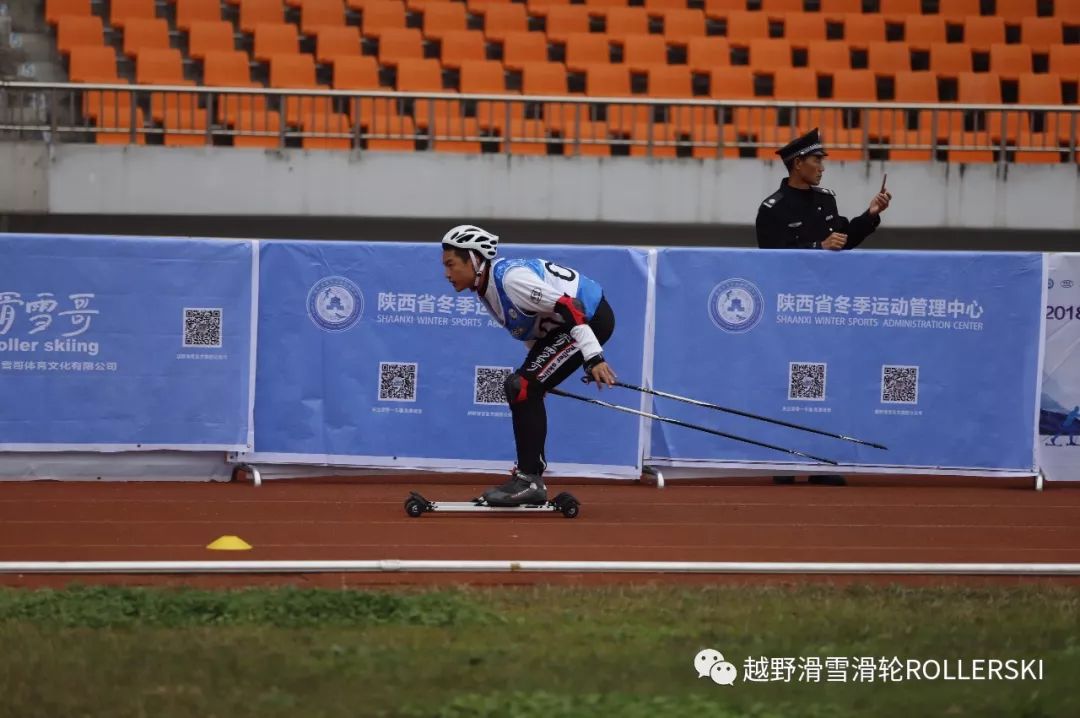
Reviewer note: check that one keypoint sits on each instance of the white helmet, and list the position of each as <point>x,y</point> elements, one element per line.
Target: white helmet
<point>467,236</point>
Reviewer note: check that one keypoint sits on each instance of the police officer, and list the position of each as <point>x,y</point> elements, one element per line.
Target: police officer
<point>802,215</point>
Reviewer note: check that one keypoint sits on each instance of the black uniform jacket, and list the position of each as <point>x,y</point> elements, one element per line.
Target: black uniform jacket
<point>802,218</point>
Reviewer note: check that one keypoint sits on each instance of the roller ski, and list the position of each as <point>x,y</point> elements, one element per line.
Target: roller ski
<point>522,492</point>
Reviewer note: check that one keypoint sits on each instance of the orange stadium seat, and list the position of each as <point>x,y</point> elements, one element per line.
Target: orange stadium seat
<point>92,64</point>
<point>56,9</point>
<point>500,20</point>
<point>253,12</point>
<point>719,8</point>
<point>863,28</point>
<point>483,77</point>
<point>142,33</point>
<point>159,67</point>
<point>267,124</point>
<point>950,59</point>
<point>441,18</point>
<point>357,72</point>
<point>1055,127</point>
<point>298,72</point>
<point>1013,11</point>
<point>978,88</point>
<point>622,22</point>
<point>424,75</point>
<point>400,43</point>
<point>192,11</point>
<point>77,30</point>
<point>683,24</point>
<point>524,47</point>
<point>915,88</point>
<point>331,123</point>
<point>746,26</point>
<point>782,6</point>
<point>185,125</point>
<point>1010,60</point>
<point>670,81</point>
<point>586,138</point>
<point>156,66</point>
<point>828,55</point>
<point>231,69</point>
<point>805,27</point>
<point>540,7</point>
<point>640,52</point>
<point>958,9</point>
<point>832,7</point>
<point>664,5</point>
<point>381,16</point>
<point>798,83</point>
<point>888,57</point>
<point>970,147</point>
<point>922,31</point>
<point>275,39</point>
<point>116,123</point>
<point>982,32</point>
<point>333,42</point>
<point>1039,33</point>
<point>564,21</point>
<point>462,45</point>
<point>449,133</point>
<point>317,14</point>
<point>607,81</point>
<point>544,78</point>
<point>732,83</point>
<point>487,78</point>
<point>585,49</point>
<point>705,53</point>
<point>898,10</point>
<point>1065,61</point>
<point>854,86</point>
<point>207,37</point>
<point>770,55</point>
<point>123,10</point>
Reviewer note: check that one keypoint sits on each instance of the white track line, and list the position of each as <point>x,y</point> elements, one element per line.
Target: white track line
<point>400,566</point>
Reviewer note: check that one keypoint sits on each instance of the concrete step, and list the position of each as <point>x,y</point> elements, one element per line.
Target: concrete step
<point>32,46</point>
<point>26,15</point>
<point>42,71</point>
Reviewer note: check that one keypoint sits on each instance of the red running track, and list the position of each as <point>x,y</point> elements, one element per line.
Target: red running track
<point>874,519</point>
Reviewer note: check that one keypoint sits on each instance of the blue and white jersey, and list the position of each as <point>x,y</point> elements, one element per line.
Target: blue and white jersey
<point>528,297</point>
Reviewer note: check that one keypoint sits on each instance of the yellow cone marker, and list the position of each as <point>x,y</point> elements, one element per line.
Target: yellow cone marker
<point>229,543</point>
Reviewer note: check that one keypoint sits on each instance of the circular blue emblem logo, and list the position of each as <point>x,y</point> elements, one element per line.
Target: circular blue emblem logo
<point>335,304</point>
<point>736,305</point>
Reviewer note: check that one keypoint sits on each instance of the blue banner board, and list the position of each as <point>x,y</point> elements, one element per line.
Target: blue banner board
<point>933,354</point>
<point>367,357</point>
<point>110,343</point>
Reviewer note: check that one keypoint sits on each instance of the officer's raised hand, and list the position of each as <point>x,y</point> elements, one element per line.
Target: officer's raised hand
<point>880,202</point>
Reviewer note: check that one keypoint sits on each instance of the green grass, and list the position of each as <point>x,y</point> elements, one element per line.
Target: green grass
<point>543,652</point>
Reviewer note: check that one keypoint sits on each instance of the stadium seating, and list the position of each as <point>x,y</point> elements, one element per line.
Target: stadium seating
<point>844,51</point>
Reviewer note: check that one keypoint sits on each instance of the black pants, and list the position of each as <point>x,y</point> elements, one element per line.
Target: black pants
<point>550,361</point>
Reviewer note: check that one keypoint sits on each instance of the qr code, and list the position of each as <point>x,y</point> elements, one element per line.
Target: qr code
<point>900,385</point>
<point>397,382</point>
<point>489,381</point>
<point>202,327</point>
<point>806,382</point>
